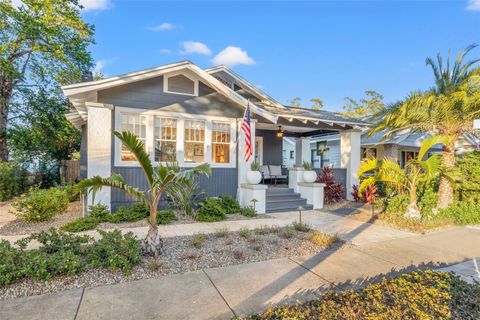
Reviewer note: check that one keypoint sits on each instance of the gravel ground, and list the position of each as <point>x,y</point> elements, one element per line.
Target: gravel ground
<point>180,256</point>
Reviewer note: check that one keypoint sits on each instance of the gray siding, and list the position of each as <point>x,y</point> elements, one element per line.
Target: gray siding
<point>272,147</point>
<point>83,153</point>
<point>222,182</point>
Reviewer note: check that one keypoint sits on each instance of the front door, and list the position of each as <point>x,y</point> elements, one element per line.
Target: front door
<point>259,150</point>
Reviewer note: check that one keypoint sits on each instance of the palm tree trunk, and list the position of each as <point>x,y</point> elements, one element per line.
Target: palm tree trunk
<point>153,243</point>
<point>445,189</point>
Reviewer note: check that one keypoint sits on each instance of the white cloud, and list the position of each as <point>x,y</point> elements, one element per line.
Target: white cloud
<point>473,5</point>
<point>231,56</point>
<point>99,65</point>
<point>192,47</point>
<point>165,51</point>
<point>95,5</point>
<point>162,27</point>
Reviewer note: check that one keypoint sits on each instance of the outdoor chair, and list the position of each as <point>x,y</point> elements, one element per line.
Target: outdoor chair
<point>276,173</point>
<point>265,173</point>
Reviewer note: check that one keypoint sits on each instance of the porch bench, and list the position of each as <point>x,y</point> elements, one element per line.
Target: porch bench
<point>272,173</point>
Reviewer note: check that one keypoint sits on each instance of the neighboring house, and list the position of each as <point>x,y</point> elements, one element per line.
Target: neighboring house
<point>189,115</point>
<point>400,147</point>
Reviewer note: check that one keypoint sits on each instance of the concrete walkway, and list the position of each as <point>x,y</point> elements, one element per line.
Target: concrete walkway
<point>220,293</point>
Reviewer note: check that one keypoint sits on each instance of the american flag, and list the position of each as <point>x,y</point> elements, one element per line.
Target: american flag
<point>248,136</point>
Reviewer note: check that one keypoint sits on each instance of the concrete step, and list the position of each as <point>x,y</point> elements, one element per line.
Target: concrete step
<point>289,196</point>
<point>283,208</point>
<point>279,191</point>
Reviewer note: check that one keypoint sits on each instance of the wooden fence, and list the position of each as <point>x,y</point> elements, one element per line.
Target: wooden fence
<point>70,171</point>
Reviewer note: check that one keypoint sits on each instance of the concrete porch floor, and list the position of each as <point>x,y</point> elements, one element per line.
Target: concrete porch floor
<point>373,252</point>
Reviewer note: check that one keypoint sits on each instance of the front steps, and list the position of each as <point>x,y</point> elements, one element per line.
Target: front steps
<point>284,199</point>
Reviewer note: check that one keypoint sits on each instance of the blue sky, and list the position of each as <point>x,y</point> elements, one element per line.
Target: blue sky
<point>316,49</point>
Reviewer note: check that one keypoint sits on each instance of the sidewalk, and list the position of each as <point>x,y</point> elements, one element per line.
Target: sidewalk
<point>220,293</point>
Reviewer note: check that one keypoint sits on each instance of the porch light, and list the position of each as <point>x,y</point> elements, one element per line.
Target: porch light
<point>280,132</point>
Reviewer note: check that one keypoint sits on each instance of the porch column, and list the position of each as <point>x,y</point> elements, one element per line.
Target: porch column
<point>244,166</point>
<point>99,153</point>
<point>350,157</point>
<point>302,151</point>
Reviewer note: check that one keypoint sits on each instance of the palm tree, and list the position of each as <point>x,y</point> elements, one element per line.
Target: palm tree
<point>448,109</point>
<point>403,180</point>
<point>160,181</point>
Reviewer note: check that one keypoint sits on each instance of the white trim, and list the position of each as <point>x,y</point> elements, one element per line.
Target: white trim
<point>180,117</point>
<point>167,76</point>
<point>260,149</point>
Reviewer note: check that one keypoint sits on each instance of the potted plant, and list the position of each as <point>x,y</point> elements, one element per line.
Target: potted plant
<point>254,176</point>
<point>309,175</point>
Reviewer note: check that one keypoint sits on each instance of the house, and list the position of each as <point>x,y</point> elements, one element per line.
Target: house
<point>191,115</point>
<point>400,146</point>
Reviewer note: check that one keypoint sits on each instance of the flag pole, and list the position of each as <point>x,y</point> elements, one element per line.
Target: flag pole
<point>238,128</point>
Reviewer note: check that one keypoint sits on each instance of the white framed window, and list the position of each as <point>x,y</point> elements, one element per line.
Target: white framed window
<point>179,83</point>
<point>137,124</point>
<point>221,140</point>
<point>165,136</point>
<point>194,141</point>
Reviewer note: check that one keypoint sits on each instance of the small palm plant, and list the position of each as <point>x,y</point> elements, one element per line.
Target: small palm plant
<point>404,180</point>
<point>161,181</point>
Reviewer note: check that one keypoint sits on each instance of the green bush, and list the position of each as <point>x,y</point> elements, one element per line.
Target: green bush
<point>462,213</point>
<point>248,212</point>
<point>136,212</point>
<point>99,211</point>
<point>72,194</point>
<point>60,253</point>
<point>81,224</point>
<point>13,180</point>
<point>166,216</point>
<point>41,204</point>
<point>230,204</point>
<point>428,199</point>
<point>397,204</point>
<point>469,167</point>
<point>211,210</point>
<point>419,295</point>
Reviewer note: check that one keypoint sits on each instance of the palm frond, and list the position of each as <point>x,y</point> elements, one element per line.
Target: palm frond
<point>367,165</point>
<point>429,143</point>
<point>137,147</point>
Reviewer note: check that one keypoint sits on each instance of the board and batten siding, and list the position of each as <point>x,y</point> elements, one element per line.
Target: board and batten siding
<point>222,182</point>
<point>272,147</point>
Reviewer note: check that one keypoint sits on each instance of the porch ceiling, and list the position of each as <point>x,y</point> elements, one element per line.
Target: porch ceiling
<point>295,130</point>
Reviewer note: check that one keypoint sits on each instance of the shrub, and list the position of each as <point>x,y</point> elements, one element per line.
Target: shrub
<point>135,212</point>
<point>13,180</point>
<point>469,167</point>
<point>397,204</point>
<point>428,199</point>
<point>263,230</point>
<point>198,239</point>
<point>166,216</point>
<point>81,224</point>
<point>245,232</point>
<point>461,213</point>
<point>248,212</point>
<point>60,253</point>
<point>333,191</point>
<point>287,232</point>
<point>229,204</point>
<point>41,204</point>
<point>99,211</point>
<point>221,232</point>
<point>419,295</point>
<point>211,210</point>
<point>72,194</point>
<point>322,239</point>
<point>301,226</point>
<point>186,197</point>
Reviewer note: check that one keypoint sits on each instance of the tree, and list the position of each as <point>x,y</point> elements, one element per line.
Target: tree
<point>295,102</point>
<point>41,42</point>
<point>448,109</point>
<point>317,103</point>
<point>408,179</point>
<point>367,106</point>
<point>161,181</point>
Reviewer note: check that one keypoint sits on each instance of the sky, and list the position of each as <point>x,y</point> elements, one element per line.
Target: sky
<point>314,49</point>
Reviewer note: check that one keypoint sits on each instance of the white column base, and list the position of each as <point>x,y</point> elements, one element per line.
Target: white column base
<point>254,191</point>
<point>313,193</point>
<point>295,176</point>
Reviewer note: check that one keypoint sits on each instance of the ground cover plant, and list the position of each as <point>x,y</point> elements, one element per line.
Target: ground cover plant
<point>419,295</point>
<point>61,253</point>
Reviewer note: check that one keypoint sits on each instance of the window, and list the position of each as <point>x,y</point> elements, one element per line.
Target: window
<point>165,136</point>
<point>181,84</point>
<point>292,154</point>
<point>220,142</point>
<point>136,124</point>
<point>194,141</point>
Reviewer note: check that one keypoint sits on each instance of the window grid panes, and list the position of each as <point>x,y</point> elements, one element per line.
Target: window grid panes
<point>220,142</point>
<point>165,139</point>
<point>194,141</point>
<point>137,125</point>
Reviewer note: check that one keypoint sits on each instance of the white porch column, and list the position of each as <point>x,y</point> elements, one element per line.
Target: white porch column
<point>99,153</point>
<point>244,166</point>
<point>302,151</point>
<point>350,157</point>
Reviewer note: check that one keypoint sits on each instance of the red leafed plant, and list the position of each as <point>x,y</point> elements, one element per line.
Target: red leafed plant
<point>368,196</point>
<point>333,191</point>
